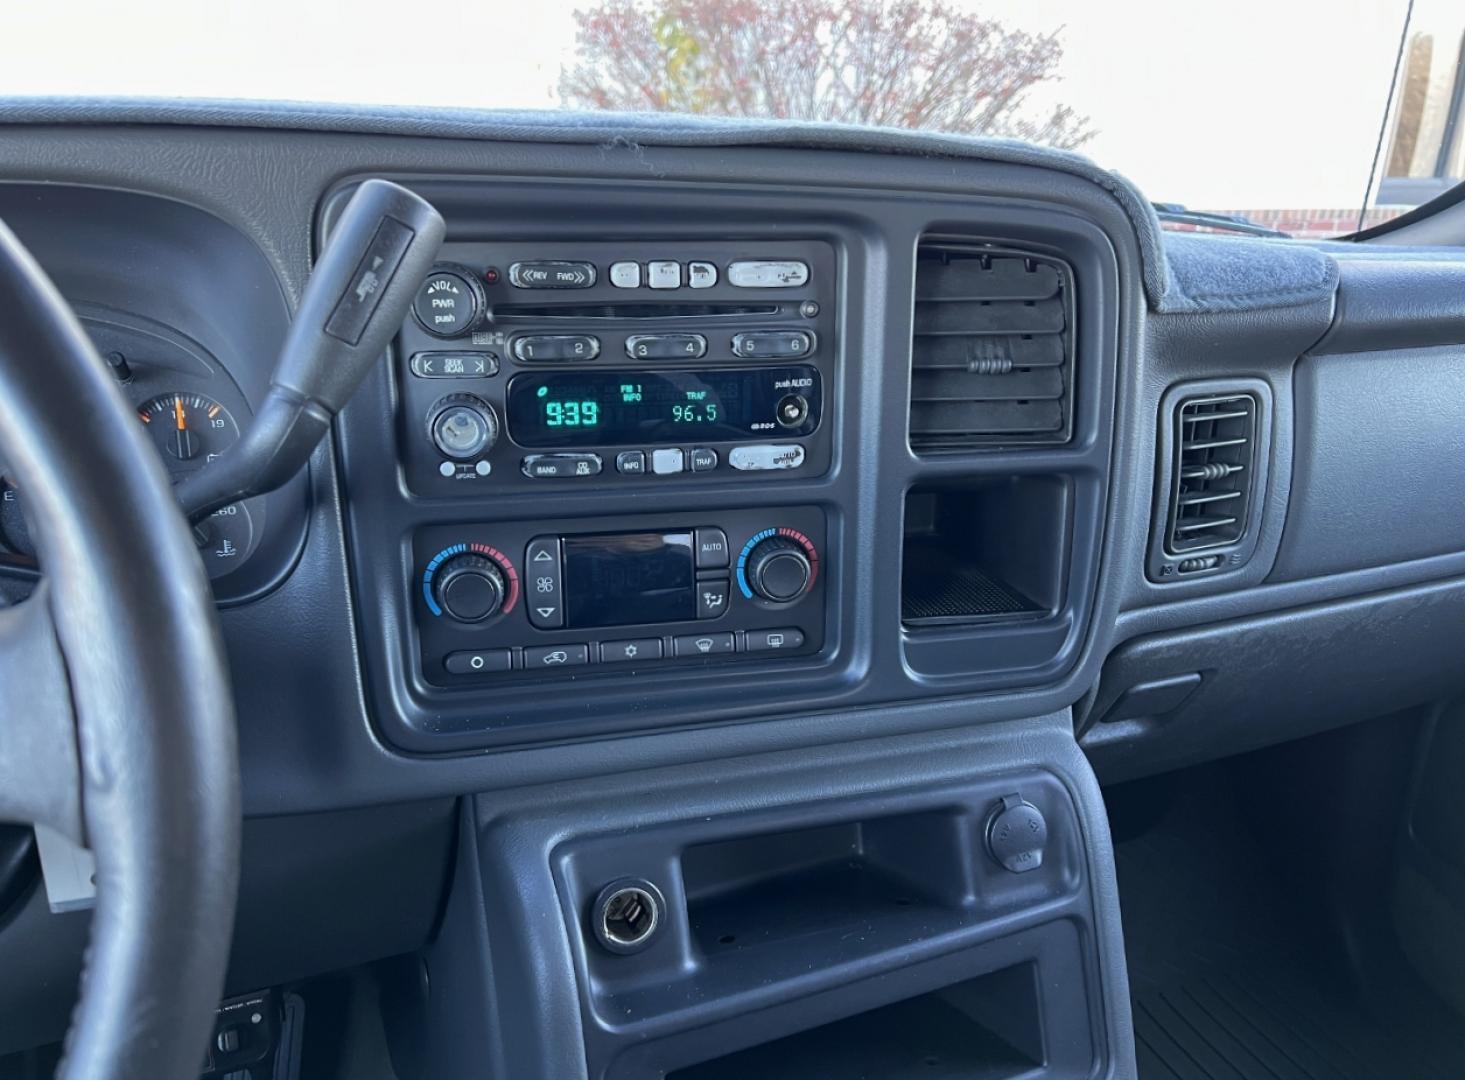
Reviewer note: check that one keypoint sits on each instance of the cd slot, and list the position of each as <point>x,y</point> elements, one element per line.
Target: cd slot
<point>503,313</point>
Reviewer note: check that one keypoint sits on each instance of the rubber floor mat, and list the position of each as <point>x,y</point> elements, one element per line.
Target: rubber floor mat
<point>1235,972</point>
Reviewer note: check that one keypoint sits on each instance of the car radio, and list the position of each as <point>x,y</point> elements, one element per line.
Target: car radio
<point>629,364</point>
<point>546,598</point>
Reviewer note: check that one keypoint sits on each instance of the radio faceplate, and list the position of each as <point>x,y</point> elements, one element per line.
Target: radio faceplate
<point>618,595</point>
<point>531,365</point>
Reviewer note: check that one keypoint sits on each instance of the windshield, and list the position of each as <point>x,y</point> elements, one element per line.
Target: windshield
<point>1306,116</point>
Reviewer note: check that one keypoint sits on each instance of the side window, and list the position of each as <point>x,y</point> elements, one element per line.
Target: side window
<point>1424,154</point>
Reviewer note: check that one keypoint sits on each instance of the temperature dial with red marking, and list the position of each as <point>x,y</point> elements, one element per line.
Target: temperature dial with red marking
<point>191,430</point>
<point>777,566</point>
<point>470,583</point>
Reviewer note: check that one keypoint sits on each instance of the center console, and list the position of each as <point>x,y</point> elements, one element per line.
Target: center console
<point>640,462</point>
<point>558,370</point>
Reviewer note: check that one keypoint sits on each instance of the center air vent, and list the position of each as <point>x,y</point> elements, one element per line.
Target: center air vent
<point>992,348</point>
<point>1215,443</point>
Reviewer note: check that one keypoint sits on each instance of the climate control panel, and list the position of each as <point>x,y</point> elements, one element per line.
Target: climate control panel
<point>549,599</point>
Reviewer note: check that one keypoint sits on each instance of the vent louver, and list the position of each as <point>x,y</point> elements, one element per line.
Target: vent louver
<point>1215,458</point>
<point>991,351</point>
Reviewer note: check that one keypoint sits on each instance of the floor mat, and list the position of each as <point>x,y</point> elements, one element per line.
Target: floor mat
<point>1235,972</point>
<point>1268,1023</point>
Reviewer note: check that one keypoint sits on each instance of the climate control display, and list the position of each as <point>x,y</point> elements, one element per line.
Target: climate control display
<point>636,591</point>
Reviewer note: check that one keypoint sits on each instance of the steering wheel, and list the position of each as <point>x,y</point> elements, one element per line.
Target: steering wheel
<point>116,715</point>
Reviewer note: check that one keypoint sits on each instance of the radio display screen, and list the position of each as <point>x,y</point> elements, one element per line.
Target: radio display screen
<point>635,408</point>
<point>627,578</point>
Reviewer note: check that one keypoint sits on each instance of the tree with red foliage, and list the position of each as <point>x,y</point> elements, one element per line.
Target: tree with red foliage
<point>900,63</point>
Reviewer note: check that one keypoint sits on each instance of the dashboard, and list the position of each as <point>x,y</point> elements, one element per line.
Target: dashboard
<point>695,469</point>
<point>789,436</point>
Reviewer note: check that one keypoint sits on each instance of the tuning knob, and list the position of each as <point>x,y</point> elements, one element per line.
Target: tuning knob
<point>463,426</point>
<point>778,569</point>
<point>469,588</point>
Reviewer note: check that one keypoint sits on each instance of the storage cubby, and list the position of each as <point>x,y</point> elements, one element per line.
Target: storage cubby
<point>985,550</point>
<point>986,1028</point>
<point>797,889</point>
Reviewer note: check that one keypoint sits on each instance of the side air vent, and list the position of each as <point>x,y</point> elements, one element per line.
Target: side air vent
<point>1214,445</point>
<point>992,348</point>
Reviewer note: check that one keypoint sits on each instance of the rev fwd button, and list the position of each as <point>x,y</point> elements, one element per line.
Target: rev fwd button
<point>552,274</point>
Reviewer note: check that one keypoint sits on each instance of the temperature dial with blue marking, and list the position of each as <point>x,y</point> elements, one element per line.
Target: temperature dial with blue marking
<point>777,566</point>
<point>470,583</point>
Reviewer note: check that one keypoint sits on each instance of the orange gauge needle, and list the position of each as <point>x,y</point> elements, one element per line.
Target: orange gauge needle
<point>178,413</point>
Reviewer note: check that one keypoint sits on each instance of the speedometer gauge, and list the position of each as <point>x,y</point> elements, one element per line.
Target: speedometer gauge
<point>189,429</point>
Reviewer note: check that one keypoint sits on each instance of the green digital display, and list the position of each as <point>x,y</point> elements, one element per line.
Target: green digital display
<point>641,408</point>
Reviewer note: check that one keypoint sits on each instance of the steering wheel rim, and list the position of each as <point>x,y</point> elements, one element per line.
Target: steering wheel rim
<point>117,725</point>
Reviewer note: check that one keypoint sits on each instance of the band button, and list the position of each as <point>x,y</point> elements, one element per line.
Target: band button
<point>547,466</point>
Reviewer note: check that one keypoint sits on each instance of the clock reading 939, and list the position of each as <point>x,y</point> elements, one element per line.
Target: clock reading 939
<point>609,408</point>
<point>559,413</point>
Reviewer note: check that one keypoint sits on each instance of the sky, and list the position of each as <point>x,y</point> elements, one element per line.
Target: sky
<point>1222,105</point>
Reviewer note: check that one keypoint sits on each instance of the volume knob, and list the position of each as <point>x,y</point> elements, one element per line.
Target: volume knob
<point>469,588</point>
<point>778,569</point>
<point>450,302</point>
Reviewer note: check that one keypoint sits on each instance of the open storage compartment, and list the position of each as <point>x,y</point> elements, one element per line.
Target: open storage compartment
<point>985,1028</point>
<point>806,889</point>
<point>984,550</point>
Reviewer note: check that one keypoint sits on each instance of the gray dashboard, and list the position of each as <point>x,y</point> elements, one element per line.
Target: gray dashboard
<point>209,232</point>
